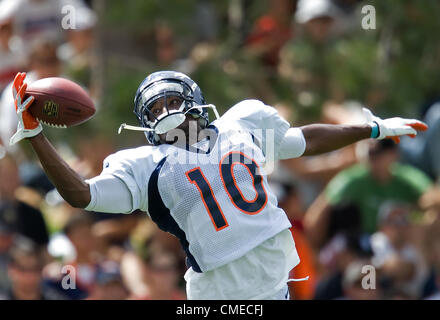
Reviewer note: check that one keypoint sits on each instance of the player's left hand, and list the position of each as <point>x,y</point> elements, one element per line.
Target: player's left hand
<point>27,126</point>
<point>394,127</point>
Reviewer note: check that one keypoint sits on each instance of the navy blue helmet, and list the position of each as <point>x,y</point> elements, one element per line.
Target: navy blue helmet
<point>163,84</point>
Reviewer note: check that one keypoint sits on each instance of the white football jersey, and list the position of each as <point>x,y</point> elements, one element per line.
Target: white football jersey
<point>213,196</point>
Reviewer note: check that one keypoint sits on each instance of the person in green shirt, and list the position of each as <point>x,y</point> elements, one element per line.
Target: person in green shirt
<point>368,186</point>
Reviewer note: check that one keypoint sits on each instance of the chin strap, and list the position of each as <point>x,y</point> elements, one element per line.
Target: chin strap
<point>210,106</point>
<point>297,280</point>
<point>134,128</point>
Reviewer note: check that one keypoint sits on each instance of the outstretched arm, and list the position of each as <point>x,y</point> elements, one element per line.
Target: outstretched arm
<point>321,138</point>
<point>71,186</point>
<point>104,193</point>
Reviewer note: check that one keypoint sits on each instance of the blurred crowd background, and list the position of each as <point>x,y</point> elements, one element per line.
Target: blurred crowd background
<point>363,216</point>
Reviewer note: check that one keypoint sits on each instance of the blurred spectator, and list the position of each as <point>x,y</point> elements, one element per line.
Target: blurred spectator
<point>346,6</point>
<point>77,53</point>
<point>85,264</point>
<point>153,274</point>
<point>317,17</point>
<point>271,31</point>
<point>114,231</point>
<point>432,247</point>
<point>303,60</point>
<point>132,272</point>
<point>24,271</point>
<point>352,283</point>
<point>79,231</point>
<point>349,15</point>
<point>36,19</point>
<point>164,241</point>
<point>43,62</point>
<point>430,202</point>
<point>336,256</point>
<point>166,51</point>
<point>20,204</point>
<point>423,151</point>
<point>109,284</point>
<point>162,276</point>
<point>343,217</point>
<point>206,21</point>
<point>395,252</point>
<point>10,55</point>
<point>7,235</point>
<point>368,186</point>
<point>91,150</point>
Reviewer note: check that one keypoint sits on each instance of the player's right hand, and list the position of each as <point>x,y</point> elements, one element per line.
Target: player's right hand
<point>27,125</point>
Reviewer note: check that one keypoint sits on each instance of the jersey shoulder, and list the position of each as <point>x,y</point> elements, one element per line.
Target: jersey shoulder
<point>249,111</point>
<point>135,161</point>
<point>129,155</point>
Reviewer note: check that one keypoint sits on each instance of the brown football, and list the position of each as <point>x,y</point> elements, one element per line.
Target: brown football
<point>60,102</point>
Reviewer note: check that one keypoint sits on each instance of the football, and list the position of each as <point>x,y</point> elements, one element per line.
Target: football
<point>60,102</point>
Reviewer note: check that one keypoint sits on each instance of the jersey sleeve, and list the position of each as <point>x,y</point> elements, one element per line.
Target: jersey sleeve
<point>263,122</point>
<point>109,194</point>
<point>122,185</point>
<point>293,144</point>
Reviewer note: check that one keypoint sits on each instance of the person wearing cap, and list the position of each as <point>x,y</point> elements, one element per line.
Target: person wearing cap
<point>368,185</point>
<point>76,54</point>
<point>41,19</point>
<point>317,17</point>
<point>304,60</point>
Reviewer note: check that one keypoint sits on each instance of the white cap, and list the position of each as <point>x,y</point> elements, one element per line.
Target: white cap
<point>312,9</point>
<point>85,18</point>
<point>7,10</point>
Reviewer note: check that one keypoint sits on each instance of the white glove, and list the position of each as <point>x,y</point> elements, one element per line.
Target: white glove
<point>394,127</point>
<point>27,126</point>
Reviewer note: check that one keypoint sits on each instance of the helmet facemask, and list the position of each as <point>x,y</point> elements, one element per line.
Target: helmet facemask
<point>162,85</point>
<point>171,118</point>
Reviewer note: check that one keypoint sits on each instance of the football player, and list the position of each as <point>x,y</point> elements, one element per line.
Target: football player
<point>205,182</point>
